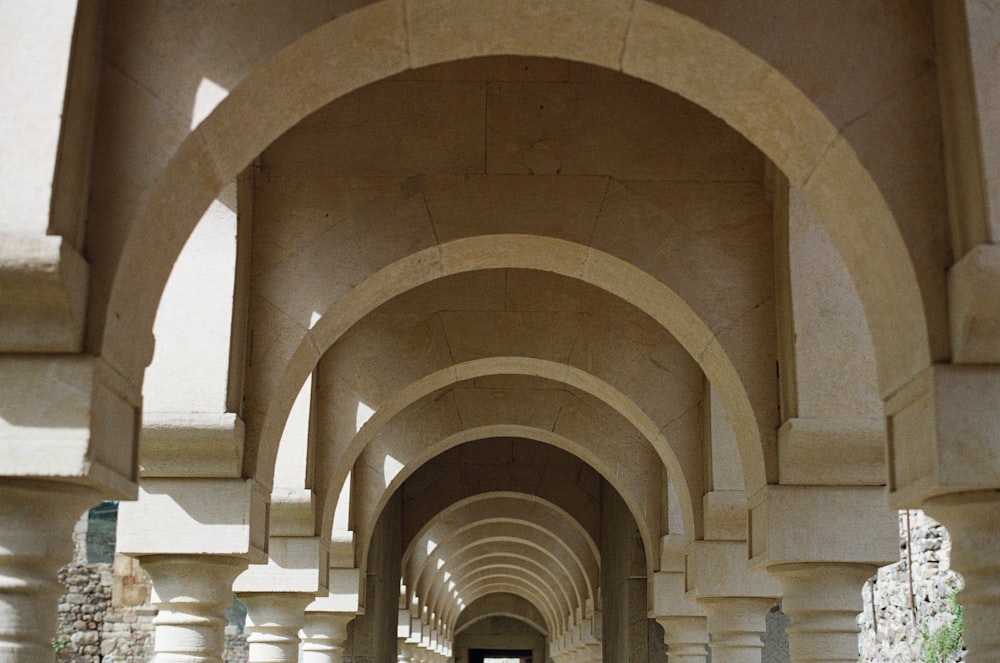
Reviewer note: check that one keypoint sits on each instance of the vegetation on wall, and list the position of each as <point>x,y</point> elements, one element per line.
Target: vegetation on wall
<point>943,643</point>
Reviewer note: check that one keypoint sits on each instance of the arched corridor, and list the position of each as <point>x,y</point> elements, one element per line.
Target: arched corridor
<point>442,330</point>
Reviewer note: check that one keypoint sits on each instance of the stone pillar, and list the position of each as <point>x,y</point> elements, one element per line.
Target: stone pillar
<point>736,626</point>
<point>823,601</point>
<point>323,636</point>
<point>973,520</point>
<point>821,575</point>
<point>191,594</point>
<point>273,622</point>
<point>36,538</point>
<point>686,638</point>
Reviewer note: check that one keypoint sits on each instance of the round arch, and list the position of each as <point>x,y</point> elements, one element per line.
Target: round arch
<point>526,366</point>
<point>545,437</point>
<point>492,504</point>
<point>504,605</point>
<point>645,40</point>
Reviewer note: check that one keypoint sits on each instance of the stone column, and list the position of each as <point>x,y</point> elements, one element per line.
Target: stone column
<point>736,626</point>
<point>273,621</point>
<point>36,538</point>
<point>323,636</point>
<point>823,601</point>
<point>686,638</point>
<point>973,520</point>
<point>191,594</point>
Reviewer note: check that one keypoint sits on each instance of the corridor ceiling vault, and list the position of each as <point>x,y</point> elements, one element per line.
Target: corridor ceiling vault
<point>590,328</point>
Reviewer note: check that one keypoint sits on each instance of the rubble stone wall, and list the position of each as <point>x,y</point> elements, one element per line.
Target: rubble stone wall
<point>896,624</point>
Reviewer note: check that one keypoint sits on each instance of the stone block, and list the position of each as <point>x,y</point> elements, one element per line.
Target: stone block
<point>44,284</point>
<point>944,429</point>
<point>206,516</point>
<point>974,306</point>
<point>835,452</point>
<point>294,565</point>
<point>858,526</point>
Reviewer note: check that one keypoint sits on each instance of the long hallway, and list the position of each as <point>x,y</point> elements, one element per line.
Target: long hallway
<point>437,330</point>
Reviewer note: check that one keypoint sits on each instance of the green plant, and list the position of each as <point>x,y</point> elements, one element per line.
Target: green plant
<point>60,644</point>
<point>943,642</point>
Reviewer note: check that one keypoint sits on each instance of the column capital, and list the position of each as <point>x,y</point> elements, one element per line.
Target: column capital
<point>273,622</point>
<point>686,638</point>
<point>736,626</point>
<point>323,636</point>
<point>822,601</point>
<point>295,564</point>
<point>191,594</point>
<point>721,569</point>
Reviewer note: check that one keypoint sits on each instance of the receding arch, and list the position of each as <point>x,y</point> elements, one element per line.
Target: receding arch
<point>526,366</point>
<point>651,42</point>
<point>629,465</point>
<point>545,437</point>
<point>595,267</point>
<point>523,540</point>
<point>504,605</point>
<point>497,503</point>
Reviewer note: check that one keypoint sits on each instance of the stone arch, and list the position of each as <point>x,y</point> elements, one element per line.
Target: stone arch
<point>500,605</point>
<point>525,366</point>
<point>648,41</point>
<point>497,501</point>
<point>649,538</point>
<point>568,573</point>
<point>597,268</point>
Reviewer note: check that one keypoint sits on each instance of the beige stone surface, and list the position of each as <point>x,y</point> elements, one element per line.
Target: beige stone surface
<point>38,38</point>
<point>44,283</point>
<point>975,306</point>
<point>857,531</point>
<point>943,433</point>
<point>196,516</point>
<point>544,251</point>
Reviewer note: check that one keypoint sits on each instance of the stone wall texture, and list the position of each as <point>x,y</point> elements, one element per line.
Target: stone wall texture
<point>895,624</point>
